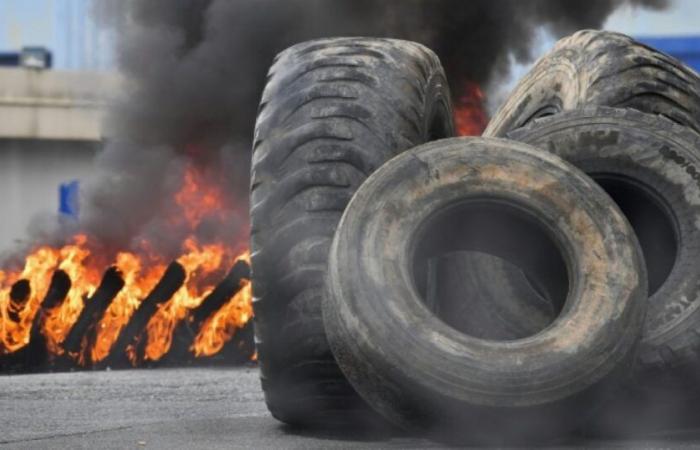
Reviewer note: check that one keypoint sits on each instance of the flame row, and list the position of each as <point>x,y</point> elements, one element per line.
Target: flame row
<point>204,265</point>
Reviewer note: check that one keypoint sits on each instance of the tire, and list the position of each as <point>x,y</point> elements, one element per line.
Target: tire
<point>651,167</point>
<point>332,112</point>
<point>486,297</point>
<point>601,68</point>
<point>422,374</point>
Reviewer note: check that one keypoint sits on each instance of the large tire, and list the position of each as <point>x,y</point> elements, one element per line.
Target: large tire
<point>421,373</point>
<point>486,296</point>
<point>651,168</point>
<point>602,68</point>
<point>332,112</point>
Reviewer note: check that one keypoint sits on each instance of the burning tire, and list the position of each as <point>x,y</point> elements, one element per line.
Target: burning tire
<point>332,112</point>
<point>604,69</point>
<point>651,168</point>
<point>421,373</point>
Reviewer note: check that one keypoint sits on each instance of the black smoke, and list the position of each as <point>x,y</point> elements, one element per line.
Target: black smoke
<point>195,69</point>
<point>200,65</point>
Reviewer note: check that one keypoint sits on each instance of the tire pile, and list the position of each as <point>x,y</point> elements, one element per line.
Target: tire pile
<point>514,287</point>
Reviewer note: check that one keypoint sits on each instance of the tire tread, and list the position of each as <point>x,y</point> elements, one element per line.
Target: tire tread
<point>333,110</point>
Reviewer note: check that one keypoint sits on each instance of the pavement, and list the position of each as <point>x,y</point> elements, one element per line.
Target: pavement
<point>205,408</point>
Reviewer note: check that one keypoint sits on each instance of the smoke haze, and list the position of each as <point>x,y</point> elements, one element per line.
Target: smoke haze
<point>195,70</point>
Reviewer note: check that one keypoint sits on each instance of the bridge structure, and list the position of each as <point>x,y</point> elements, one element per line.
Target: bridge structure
<point>52,124</point>
<point>53,105</point>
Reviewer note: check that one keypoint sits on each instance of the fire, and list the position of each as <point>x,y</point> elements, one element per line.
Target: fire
<point>84,279</point>
<point>38,268</point>
<point>205,265</point>
<point>137,284</point>
<point>199,263</point>
<point>221,327</point>
<point>198,203</point>
<point>469,112</point>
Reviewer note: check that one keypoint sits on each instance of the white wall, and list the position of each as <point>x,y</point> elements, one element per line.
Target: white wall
<point>30,173</point>
<point>54,105</point>
<point>51,123</point>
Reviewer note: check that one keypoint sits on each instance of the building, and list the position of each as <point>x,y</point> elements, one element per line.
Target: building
<point>51,125</point>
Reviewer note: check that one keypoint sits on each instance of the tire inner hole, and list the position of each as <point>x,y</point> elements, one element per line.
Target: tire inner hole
<point>650,221</point>
<point>490,269</point>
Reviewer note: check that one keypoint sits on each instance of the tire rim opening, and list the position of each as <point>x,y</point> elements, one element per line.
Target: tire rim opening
<point>651,222</point>
<point>490,269</point>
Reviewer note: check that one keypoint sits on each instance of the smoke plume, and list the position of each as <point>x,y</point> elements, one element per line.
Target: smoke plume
<point>195,70</point>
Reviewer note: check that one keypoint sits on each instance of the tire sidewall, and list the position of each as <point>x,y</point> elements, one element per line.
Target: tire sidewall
<point>420,373</point>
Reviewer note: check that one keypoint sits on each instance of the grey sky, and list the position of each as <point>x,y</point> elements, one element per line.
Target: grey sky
<point>682,18</point>
<point>65,27</point>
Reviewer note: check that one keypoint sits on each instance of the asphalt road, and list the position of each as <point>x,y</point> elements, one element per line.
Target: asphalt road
<point>179,408</point>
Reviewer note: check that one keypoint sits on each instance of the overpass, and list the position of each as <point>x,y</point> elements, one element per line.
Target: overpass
<point>53,105</point>
<point>51,126</point>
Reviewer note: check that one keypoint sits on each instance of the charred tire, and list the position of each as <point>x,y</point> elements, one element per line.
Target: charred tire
<point>422,374</point>
<point>651,167</point>
<point>332,112</point>
<point>601,68</point>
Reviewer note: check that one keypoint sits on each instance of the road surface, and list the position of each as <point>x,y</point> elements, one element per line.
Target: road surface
<point>177,408</point>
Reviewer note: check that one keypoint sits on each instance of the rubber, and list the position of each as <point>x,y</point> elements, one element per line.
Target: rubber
<point>661,158</point>
<point>332,112</point>
<point>424,375</point>
<point>486,296</point>
<point>602,68</point>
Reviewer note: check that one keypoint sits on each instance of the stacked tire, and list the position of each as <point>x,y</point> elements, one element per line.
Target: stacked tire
<point>578,213</point>
<point>332,112</point>
<point>631,125</point>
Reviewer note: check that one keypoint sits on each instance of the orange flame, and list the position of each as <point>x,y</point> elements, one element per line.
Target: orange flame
<point>136,286</point>
<point>205,265</point>
<point>38,268</point>
<point>469,112</point>
<point>199,263</point>
<point>220,327</point>
<point>84,281</point>
<point>197,203</point>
